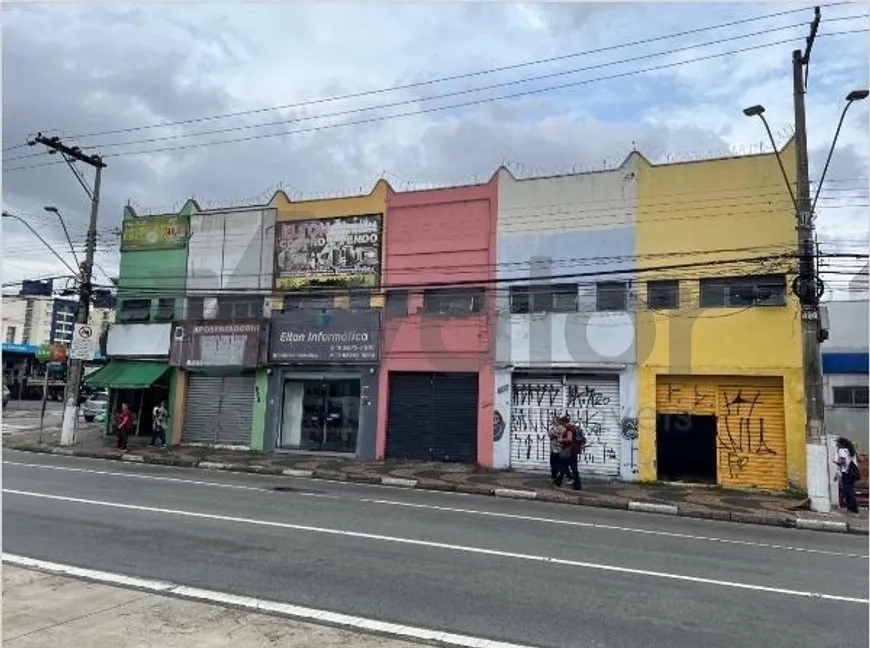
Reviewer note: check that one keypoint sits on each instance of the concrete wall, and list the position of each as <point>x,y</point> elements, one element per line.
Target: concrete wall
<point>442,236</point>
<point>717,214</point>
<point>849,326</point>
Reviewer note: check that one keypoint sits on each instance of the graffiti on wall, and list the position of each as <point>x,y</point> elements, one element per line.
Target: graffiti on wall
<point>533,407</point>
<point>741,431</point>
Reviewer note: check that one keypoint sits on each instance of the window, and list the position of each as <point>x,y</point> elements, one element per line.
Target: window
<point>741,292</point>
<point>544,298</point>
<point>239,307</point>
<point>135,310</point>
<point>195,308</point>
<point>663,294</point>
<point>10,334</point>
<point>396,303</point>
<point>165,309</point>
<point>306,302</point>
<point>453,302</point>
<point>611,296</point>
<point>360,299</point>
<point>850,396</point>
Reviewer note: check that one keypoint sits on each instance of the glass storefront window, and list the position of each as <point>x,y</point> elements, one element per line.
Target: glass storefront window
<point>321,414</point>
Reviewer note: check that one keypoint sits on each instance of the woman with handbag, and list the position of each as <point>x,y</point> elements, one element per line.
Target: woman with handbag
<point>123,424</point>
<point>847,461</point>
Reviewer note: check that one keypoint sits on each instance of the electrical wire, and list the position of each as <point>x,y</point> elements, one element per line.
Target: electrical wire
<point>438,108</point>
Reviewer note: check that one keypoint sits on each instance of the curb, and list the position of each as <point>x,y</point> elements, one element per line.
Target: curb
<point>811,524</point>
<point>650,507</point>
<point>771,518</point>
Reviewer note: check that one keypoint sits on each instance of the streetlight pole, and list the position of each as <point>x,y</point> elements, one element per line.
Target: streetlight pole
<point>808,287</point>
<point>76,367</point>
<point>54,210</point>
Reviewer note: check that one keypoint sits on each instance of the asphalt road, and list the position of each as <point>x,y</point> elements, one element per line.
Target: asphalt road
<point>526,572</point>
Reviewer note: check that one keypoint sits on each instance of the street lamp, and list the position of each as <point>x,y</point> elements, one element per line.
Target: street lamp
<point>54,210</point>
<point>758,111</point>
<point>7,214</point>
<point>852,97</point>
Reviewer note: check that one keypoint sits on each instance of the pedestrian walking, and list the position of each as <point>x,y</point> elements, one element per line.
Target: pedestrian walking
<point>572,443</point>
<point>557,429</point>
<point>158,424</point>
<point>124,422</point>
<point>847,462</point>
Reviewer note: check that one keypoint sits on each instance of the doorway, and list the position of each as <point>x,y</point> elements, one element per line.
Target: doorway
<point>321,414</point>
<point>686,448</point>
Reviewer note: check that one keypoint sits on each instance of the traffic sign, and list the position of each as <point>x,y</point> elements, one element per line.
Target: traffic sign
<point>84,343</point>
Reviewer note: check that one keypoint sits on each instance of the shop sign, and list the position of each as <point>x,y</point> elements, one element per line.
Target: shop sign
<point>337,336</point>
<point>154,233</point>
<point>217,343</point>
<point>334,252</point>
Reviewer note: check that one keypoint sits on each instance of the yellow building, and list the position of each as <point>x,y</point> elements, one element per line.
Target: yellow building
<point>720,378</point>
<point>299,224</point>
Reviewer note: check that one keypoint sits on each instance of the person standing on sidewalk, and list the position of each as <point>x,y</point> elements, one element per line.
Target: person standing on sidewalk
<point>158,424</point>
<point>557,429</point>
<point>847,461</point>
<point>572,445</point>
<point>123,424</point>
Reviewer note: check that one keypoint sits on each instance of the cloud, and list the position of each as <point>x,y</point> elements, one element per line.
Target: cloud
<point>78,70</point>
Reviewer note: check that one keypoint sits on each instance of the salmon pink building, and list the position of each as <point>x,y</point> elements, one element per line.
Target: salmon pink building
<point>436,380</point>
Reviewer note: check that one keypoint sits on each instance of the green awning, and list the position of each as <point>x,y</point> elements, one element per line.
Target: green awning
<point>120,374</point>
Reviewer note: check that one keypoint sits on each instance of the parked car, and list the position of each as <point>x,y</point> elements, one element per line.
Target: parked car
<point>95,405</point>
<point>6,396</point>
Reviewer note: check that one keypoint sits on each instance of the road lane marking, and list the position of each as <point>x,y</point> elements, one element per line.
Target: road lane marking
<point>463,511</point>
<point>261,605</point>
<point>613,527</point>
<point>446,546</point>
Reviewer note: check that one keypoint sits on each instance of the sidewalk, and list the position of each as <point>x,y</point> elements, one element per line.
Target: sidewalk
<point>42,609</point>
<point>672,499</point>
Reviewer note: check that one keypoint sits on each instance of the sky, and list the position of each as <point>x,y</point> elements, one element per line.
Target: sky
<point>117,80</point>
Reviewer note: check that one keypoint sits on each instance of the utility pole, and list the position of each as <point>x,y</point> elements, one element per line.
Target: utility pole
<point>76,367</point>
<point>809,289</point>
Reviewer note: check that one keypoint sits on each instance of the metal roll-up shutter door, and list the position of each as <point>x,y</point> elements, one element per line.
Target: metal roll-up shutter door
<point>454,420</point>
<point>237,409</point>
<point>409,415</point>
<point>202,410</point>
<point>535,400</point>
<point>751,437</point>
<point>592,402</point>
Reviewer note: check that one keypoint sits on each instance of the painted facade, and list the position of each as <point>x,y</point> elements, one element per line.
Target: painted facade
<point>229,276</point>
<point>720,385</point>
<point>436,380</point>
<point>845,369</point>
<point>150,292</point>
<point>565,337</point>
<point>325,337</point>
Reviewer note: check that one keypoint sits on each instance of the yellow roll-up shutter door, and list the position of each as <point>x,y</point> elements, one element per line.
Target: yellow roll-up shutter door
<point>751,437</point>
<point>685,396</point>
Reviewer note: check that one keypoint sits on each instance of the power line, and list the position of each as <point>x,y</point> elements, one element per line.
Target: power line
<point>453,77</point>
<point>439,108</point>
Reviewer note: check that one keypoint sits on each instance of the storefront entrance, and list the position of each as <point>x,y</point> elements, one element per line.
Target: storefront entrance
<point>321,414</point>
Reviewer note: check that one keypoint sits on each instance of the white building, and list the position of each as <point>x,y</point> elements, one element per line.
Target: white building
<point>566,344</point>
<point>36,319</point>
<point>845,369</point>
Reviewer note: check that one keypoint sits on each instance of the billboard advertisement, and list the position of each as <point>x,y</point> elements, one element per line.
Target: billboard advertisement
<point>338,336</point>
<point>335,252</point>
<point>154,233</point>
<point>217,343</point>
